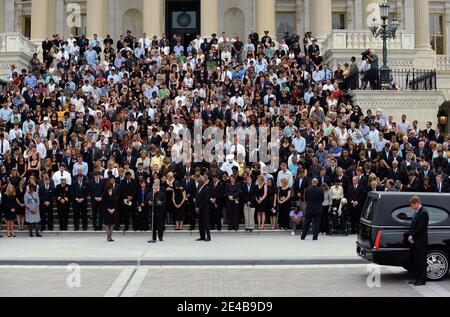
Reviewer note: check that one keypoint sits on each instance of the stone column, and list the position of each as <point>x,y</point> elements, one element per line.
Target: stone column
<point>209,17</point>
<point>322,19</point>
<point>425,56</point>
<point>358,15</point>
<point>422,24</point>
<point>9,21</point>
<point>266,18</point>
<point>96,13</point>
<point>60,17</point>
<point>152,18</point>
<point>2,16</point>
<point>39,20</point>
<point>409,15</point>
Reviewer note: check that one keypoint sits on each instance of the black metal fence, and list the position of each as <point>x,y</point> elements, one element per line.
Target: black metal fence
<point>414,79</point>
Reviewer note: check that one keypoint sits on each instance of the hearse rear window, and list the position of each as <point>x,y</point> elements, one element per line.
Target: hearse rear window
<point>405,215</point>
<point>369,209</point>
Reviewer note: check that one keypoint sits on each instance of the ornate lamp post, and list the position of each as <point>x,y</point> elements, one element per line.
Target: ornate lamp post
<point>385,31</point>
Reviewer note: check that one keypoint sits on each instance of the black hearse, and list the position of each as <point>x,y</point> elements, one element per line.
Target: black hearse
<point>385,222</point>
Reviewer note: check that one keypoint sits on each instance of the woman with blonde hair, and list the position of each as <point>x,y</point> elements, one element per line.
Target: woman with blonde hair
<point>261,201</point>
<point>10,203</point>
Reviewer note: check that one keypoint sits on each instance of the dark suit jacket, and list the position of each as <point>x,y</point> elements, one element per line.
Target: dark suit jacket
<point>128,188</point>
<point>97,190</point>
<point>190,188</point>
<point>45,195</point>
<point>300,188</point>
<point>444,188</point>
<point>356,195</point>
<point>248,196</point>
<point>419,228</point>
<point>326,180</point>
<point>416,185</point>
<point>202,199</point>
<point>314,197</point>
<point>430,135</point>
<point>217,191</point>
<point>160,196</point>
<point>80,192</point>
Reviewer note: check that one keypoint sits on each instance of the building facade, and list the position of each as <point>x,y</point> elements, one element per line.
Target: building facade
<point>342,26</point>
<point>37,18</point>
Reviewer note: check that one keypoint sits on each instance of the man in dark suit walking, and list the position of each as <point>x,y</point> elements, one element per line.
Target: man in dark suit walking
<point>314,197</point>
<point>202,201</point>
<point>418,239</point>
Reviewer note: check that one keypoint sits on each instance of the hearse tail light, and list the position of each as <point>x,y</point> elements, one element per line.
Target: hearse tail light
<point>378,239</point>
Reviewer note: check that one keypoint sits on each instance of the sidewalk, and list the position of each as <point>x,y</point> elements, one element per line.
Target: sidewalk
<point>178,249</point>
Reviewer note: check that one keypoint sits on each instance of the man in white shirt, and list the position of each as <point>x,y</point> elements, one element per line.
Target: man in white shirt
<point>285,174</point>
<point>145,41</point>
<point>62,173</point>
<point>40,147</point>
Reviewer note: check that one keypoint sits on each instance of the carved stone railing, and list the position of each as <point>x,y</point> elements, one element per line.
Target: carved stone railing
<point>443,62</point>
<point>363,39</point>
<point>16,43</point>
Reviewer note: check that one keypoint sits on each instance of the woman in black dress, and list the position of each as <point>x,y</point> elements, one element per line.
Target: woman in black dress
<point>272,201</point>
<point>20,212</point>
<point>261,201</point>
<point>179,203</point>
<point>111,215</point>
<point>284,201</point>
<point>10,203</point>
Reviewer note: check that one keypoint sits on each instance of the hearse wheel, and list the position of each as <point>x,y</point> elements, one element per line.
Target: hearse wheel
<point>437,261</point>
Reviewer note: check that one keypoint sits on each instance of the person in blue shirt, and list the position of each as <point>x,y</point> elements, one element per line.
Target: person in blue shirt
<point>91,56</point>
<point>178,50</point>
<point>30,80</point>
<point>79,164</point>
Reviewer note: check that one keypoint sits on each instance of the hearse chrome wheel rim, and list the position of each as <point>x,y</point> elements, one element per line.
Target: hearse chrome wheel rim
<point>437,266</point>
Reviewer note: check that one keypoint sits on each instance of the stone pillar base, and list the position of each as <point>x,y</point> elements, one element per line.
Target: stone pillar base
<point>425,59</point>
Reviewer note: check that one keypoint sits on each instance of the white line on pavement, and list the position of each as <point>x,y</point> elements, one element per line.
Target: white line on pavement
<point>120,282</point>
<point>135,283</point>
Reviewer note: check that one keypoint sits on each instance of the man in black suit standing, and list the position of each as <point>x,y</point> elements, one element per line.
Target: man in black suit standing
<point>418,239</point>
<point>46,197</point>
<point>355,197</point>
<point>156,199</point>
<point>217,189</point>
<point>429,132</point>
<point>202,201</point>
<point>128,190</point>
<point>248,190</point>
<point>96,189</point>
<point>314,197</point>
<point>80,193</point>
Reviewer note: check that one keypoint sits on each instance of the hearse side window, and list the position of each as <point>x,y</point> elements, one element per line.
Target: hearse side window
<point>369,209</point>
<point>405,215</point>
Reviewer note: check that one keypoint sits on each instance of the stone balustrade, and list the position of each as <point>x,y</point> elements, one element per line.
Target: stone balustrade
<point>443,62</point>
<point>363,39</point>
<point>15,49</point>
